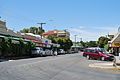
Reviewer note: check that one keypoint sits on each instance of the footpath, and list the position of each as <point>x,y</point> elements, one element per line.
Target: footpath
<point>104,65</point>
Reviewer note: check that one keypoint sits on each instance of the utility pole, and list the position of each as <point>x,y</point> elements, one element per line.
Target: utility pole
<point>75,40</point>
<point>80,39</point>
<point>41,27</point>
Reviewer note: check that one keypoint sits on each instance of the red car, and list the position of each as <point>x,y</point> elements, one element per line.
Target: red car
<point>97,53</point>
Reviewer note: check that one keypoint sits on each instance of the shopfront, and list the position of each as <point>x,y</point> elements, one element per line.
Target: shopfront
<point>114,44</point>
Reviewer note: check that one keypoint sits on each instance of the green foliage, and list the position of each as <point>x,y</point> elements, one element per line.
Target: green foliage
<point>82,44</point>
<point>11,49</point>
<point>65,43</point>
<point>87,44</point>
<point>91,44</point>
<point>25,30</point>
<point>102,41</point>
<point>34,30</point>
<point>106,47</point>
<point>4,46</point>
<point>52,38</point>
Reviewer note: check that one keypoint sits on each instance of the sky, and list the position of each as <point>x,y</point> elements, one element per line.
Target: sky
<point>88,19</point>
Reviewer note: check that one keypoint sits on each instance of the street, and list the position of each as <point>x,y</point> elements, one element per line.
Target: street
<point>61,67</point>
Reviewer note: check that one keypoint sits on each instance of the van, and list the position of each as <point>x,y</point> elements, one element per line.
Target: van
<point>98,53</point>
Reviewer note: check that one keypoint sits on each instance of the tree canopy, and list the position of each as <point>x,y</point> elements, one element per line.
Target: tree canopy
<point>34,30</point>
<point>65,43</point>
<point>102,41</point>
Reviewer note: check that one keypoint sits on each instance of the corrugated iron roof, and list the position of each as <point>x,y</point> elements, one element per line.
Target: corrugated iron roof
<point>9,33</point>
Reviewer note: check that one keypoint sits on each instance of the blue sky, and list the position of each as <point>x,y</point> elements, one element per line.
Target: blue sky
<point>88,19</point>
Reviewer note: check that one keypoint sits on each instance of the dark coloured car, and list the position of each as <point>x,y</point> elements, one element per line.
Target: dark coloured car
<point>97,53</point>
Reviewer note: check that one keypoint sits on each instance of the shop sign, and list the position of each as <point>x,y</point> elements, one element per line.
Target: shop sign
<point>116,44</point>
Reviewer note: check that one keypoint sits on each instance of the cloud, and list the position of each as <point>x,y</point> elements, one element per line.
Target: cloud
<point>91,33</point>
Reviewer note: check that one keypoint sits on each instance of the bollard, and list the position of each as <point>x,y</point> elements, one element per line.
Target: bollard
<point>119,56</point>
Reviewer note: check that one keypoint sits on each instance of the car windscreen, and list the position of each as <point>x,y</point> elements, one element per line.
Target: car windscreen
<point>103,51</point>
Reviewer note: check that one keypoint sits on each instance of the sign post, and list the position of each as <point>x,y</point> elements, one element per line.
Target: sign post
<point>119,56</point>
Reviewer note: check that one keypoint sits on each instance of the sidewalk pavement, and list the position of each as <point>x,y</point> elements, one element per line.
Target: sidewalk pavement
<point>104,65</point>
<point>2,60</point>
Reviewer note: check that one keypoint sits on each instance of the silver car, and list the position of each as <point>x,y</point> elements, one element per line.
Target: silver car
<point>38,51</point>
<point>48,52</point>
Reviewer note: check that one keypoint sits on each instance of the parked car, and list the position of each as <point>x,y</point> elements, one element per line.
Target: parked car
<point>97,53</point>
<point>61,51</point>
<point>38,51</point>
<point>48,52</point>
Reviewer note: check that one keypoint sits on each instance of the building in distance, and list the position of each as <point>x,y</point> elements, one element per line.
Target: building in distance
<point>57,33</point>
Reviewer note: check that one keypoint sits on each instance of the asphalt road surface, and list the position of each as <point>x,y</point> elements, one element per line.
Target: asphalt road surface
<point>62,67</point>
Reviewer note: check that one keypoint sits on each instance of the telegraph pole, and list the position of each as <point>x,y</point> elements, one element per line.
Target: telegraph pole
<point>41,26</point>
<point>75,40</point>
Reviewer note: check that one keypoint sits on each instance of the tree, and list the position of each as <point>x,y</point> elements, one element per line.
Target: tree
<point>25,30</point>
<point>91,44</point>
<point>102,41</point>
<point>82,43</point>
<point>65,43</point>
<point>34,30</point>
<point>52,38</point>
<point>40,31</point>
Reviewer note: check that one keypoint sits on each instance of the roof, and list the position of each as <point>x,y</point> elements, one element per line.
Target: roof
<point>6,32</point>
<point>3,24</point>
<point>9,33</point>
<point>50,32</point>
<point>116,38</point>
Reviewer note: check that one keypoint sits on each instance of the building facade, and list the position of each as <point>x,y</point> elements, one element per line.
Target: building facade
<point>7,35</point>
<point>41,42</point>
<point>114,44</point>
<point>57,33</point>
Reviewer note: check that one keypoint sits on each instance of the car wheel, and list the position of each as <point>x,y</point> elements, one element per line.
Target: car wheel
<point>103,58</point>
<point>88,57</point>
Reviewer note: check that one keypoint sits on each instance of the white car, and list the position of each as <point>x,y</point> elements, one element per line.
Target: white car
<point>38,51</point>
<point>61,51</point>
